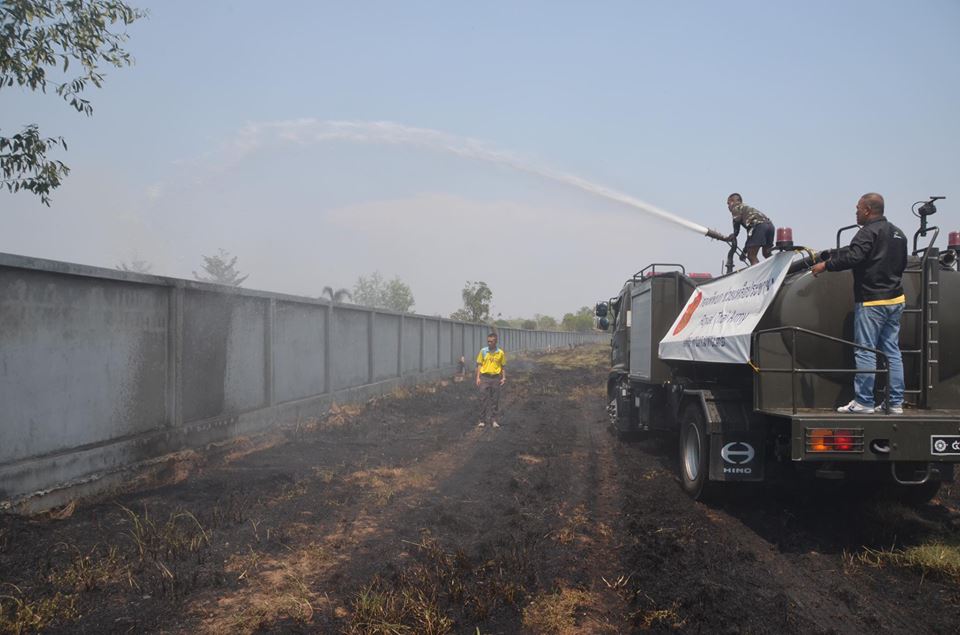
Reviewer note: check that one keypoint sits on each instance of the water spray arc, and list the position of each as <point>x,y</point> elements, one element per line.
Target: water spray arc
<point>306,131</point>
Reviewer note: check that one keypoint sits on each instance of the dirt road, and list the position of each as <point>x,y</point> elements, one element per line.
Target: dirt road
<point>402,517</point>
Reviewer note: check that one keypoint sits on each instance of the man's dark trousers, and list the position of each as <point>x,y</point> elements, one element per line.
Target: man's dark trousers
<point>489,398</point>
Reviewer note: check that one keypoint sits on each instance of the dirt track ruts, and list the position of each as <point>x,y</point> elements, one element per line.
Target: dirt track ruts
<point>402,515</point>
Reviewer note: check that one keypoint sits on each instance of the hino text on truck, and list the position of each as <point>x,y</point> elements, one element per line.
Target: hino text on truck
<point>748,369</point>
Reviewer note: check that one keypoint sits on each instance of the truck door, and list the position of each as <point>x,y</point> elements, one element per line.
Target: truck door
<point>620,357</point>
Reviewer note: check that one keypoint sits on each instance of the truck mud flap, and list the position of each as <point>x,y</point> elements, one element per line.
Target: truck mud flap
<point>736,456</point>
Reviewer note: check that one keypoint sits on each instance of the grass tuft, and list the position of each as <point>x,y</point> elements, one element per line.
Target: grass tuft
<point>21,615</point>
<point>556,612</point>
<point>661,618</point>
<point>939,558</point>
<point>94,570</point>
<point>382,609</point>
<point>289,598</point>
<point>181,534</point>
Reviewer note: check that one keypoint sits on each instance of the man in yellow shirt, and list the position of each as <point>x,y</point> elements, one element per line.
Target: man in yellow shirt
<point>490,377</point>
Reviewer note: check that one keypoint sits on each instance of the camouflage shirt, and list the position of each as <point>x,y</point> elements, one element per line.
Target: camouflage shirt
<point>746,216</point>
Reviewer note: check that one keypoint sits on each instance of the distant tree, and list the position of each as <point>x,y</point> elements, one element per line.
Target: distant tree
<point>393,295</point>
<point>336,296</point>
<point>136,266</point>
<point>529,325</point>
<point>38,37</point>
<point>476,303</point>
<point>502,322</point>
<point>545,322</point>
<point>368,290</point>
<point>221,269</point>
<point>398,296</point>
<point>581,321</point>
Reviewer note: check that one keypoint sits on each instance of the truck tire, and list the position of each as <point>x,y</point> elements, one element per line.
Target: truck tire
<point>695,454</point>
<point>620,422</point>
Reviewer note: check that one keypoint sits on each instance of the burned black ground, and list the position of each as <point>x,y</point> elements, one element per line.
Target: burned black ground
<point>401,516</point>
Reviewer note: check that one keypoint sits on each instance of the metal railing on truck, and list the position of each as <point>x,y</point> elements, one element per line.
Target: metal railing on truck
<point>794,370</point>
<point>929,322</point>
<point>927,312</point>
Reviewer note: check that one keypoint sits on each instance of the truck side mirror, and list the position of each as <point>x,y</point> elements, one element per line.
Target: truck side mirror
<point>601,310</point>
<point>603,324</point>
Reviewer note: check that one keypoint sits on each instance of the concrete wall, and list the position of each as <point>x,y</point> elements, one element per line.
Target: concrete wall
<point>103,370</point>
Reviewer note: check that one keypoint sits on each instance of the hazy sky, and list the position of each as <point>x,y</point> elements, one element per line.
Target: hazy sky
<point>216,138</point>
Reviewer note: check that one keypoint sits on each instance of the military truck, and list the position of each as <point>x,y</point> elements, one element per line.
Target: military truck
<point>772,413</point>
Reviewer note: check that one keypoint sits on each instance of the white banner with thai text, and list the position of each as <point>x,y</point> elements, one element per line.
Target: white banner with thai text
<point>720,316</point>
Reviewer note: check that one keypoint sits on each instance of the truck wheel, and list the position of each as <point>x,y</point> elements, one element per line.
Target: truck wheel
<point>695,454</point>
<point>620,422</point>
<point>617,423</point>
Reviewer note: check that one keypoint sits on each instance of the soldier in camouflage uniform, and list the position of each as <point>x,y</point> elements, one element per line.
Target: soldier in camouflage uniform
<point>758,226</point>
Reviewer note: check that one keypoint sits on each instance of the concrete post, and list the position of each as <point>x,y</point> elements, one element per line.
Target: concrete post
<point>371,321</point>
<point>175,358</point>
<point>327,340</point>
<point>268,348</point>
<point>400,349</point>
<point>423,329</point>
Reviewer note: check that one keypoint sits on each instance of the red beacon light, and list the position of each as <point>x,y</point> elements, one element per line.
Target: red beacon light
<point>784,238</point>
<point>953,241</point>
<point>701,276</point>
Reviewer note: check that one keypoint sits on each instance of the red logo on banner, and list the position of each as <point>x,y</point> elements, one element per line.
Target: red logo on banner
<point>685,318</point>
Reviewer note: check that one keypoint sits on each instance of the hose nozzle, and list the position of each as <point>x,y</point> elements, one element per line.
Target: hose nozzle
<point>712,233</point>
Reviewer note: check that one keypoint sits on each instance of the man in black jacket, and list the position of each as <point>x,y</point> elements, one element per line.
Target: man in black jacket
<point>878,256</point>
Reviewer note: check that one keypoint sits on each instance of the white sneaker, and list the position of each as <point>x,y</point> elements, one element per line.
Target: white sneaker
<point>855,407</point>
<point>496,425</point>
<point>896,410</point>
<point>481,424</point>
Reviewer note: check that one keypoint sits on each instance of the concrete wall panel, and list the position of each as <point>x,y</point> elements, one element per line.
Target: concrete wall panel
<point>224,354</point>
<point>298,350</point>
<point>81,361</point>
<point>431,331</point>
<point>349,348</point>
<point>446,336</point>
<point>411,344</point>
<point>386,344</point>
<point>458,347</point>
<point>507,337</point>
<point>245,384</point>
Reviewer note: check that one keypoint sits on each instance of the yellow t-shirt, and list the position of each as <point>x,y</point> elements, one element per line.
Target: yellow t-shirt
<point>900,299</point>
<point>491,363</point>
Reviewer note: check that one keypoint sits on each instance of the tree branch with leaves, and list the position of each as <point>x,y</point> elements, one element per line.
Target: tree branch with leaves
<point>39,42</point>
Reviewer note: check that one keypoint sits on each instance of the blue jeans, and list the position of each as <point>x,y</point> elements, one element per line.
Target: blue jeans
<point>878,327</point>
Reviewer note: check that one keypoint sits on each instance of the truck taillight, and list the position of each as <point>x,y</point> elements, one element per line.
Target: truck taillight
<point>843,443</point>
<point>834,440</point>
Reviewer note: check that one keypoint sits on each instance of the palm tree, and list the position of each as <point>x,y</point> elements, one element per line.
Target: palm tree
<point>338,296</point>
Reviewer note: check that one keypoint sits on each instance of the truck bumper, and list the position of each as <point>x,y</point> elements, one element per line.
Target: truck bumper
<point>922,436</point>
